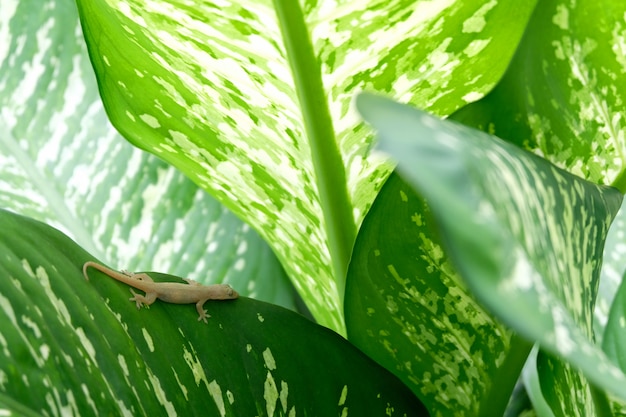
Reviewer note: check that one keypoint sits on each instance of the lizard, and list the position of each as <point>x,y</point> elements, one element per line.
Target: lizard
<point>170,292</point>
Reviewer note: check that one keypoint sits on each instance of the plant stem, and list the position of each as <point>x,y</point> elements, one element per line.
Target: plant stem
<point>327,161</point>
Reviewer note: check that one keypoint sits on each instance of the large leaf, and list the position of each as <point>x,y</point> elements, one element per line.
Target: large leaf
<point>62,162</point>
<point>407,308</point>
<point>253,103</point>
<point>525,235</point>
<point>77,347</point>
<point>562,97</point>
<point>564,93</point>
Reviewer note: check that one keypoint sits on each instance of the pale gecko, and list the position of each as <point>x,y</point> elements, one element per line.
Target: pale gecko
<point>170,292</point>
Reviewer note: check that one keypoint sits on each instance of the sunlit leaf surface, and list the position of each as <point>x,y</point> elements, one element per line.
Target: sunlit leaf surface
<point>252,102</point>
<point>62,162</point>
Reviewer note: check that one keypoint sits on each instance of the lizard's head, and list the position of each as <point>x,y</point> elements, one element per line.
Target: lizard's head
<point>225,292</point>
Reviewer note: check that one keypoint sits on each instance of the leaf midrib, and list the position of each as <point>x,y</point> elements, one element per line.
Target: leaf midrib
<point>327,161</point>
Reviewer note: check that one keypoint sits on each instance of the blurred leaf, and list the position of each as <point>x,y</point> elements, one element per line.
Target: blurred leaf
<point>614,341</point>
<point>253,103</point>
<point>515,227</point>
<point>407,308</point>
<point>563,95</point>
<point>613,268</point>
<point>62,162</point>
<point>77,347</point>
<point>533,386</point>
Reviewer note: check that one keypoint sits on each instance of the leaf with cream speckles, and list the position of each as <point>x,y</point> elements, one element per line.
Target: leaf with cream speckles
<point>62,162</point>
<point>525,235</point>
<point>564,93</point>
<point>253,103</point>
<point>407,308</point>
<point>566,391</point>
<point>69,346</point>
<point>563,97</point>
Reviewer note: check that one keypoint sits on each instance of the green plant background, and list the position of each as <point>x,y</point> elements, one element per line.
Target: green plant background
<point>255,105</point>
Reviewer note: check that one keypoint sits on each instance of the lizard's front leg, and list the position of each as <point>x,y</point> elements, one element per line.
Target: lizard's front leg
<point>140,300</point>
<point>202,315</point>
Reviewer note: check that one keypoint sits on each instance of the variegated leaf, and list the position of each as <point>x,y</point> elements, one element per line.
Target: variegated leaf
<point>567,392</point>
<point>563,95</point>
<point>69,346</point>
<point>62,162</point>
<point>562,98</point>
<point>525,235</point>
<point>407,308</point>
<point>252,102</point>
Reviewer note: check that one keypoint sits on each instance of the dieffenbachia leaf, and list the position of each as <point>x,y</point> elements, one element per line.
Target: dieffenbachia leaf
<point>526,236</point>
<point>532,384</point>
<point>613,268</point>
<point>75,347</point>
<point>408,309</point>
<point>252,102</point>
<point>563,95</point>
<point>61,162</point>
<point>567,392</point>
<point>614,340</point>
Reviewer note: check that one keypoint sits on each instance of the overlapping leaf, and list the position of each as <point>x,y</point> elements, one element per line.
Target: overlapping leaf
<point>526,236</point>
<point>566,390</point>
<point>407,308</point>
<point>614,341</point>
<point>564,93</point>
<point>209,88</point>
<point>76,347</point>
<point>62,162</point>
<point>532,384</point>
<point>562,97</point>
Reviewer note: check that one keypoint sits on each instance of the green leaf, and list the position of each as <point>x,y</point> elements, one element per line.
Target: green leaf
<point>72,346</point>
<point>613,268</point>
<point>564,389</point>
<point>563,95</point>
<point>525,235</point>
<point>62,162</point>
<point>530,377</point>
<point>614,341</point>
<point>407,308</point>
<point>253,104</point>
